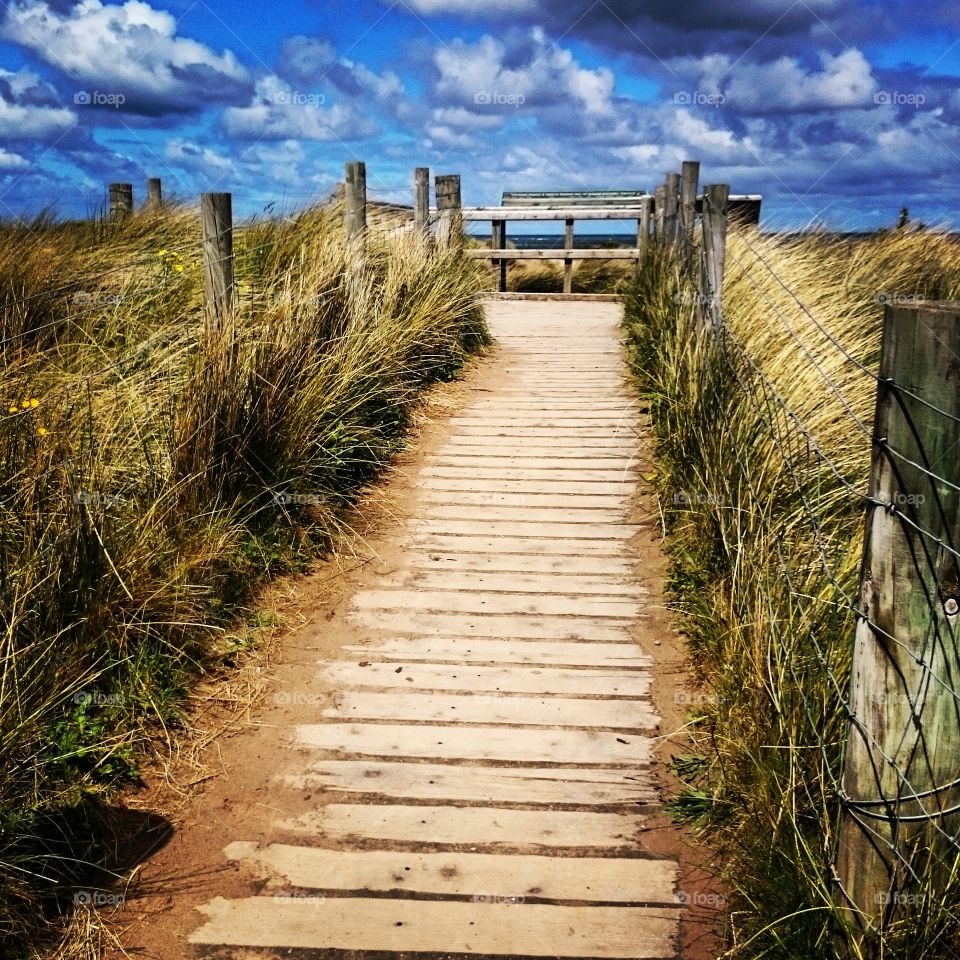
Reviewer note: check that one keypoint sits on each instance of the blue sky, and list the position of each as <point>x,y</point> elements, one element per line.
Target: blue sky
<point>837,112</point>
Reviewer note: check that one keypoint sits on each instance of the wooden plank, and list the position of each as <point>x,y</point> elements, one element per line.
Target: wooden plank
<point>446,581</point>
<point>575,786</point>
<point>507,474</point>
<point>466,650</point>
<point>516,544</point>
<point>509,513</point>
<point>583,491</point>
<point>519,214</point>
<point>547,253</point>
<point>417,623</point>
<point>442,927</point>
<point>561,531</point>
<point>625,880</point>
<point>475,743</point>
<point>519,563</point>
<point>507,710</point>
<point>469,825</point>
<point>571,506</point>
<point>509,679</point>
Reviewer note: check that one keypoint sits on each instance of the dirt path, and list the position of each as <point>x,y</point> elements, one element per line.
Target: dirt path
<point>466,766</point>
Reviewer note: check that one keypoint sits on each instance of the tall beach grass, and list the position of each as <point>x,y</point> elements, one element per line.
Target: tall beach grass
<point>154,473</point>
<point>764,445</point>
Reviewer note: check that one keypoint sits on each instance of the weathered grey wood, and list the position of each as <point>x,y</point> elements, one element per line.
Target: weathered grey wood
<point>660,196</point>
<point>689,182</point>
<point>622,253</point>
<point>671,208</point>
<point>904,738</point>
<point>568,262</point>
<point>715,214</point>
<point>643,226</point>
<point>355,199</point>
<point>449,204</point>
<point>498,241</point>
<point>482,214</point>
<point>154,194</point>
<point>421,199</point>
<point>121,199</point>
<point>216,212</point>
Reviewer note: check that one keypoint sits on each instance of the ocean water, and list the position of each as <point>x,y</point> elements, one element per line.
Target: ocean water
<point>554,241</point>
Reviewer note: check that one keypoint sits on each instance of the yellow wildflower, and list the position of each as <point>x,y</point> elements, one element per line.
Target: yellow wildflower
<point>13,408</point>
<point>34,402</point>
<point>178,267</point>
<point>162,253</point>
<point>24,404</point>
<point>42,431</point>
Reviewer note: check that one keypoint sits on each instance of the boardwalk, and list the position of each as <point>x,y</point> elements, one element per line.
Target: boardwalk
<point>485,768</point>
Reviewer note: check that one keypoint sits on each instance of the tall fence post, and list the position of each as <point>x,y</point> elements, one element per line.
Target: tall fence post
<point>216,212</point>
<point>660,195</point>
<point>421,199</point>
<point>121,199</point>
<point>449,205</point>
<point>716,200</point>
<point>643,226</point>
<point>568,262</point>
<point>498,241</point>
<point>689,182</point>
<point>901,794</point>
<point>355,199</point>
<point>671,210</point>
<point>154,194</point>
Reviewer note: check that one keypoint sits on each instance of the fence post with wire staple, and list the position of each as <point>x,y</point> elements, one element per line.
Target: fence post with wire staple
<point>660,195</point>
<point>671,208</point>
<point>643,227</point>
<point>154,194</point>
<point>216,211</point>
<point>121,199</point>
<point>421,199</point>
<point>901,794</point>
<point>498,241</point>
<point>355,199</point>
<point>448,210</point>
<point>715,207</point>
<point>689,180</point>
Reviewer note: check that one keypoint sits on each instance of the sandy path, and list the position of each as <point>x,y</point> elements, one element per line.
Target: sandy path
<point>467,768</point>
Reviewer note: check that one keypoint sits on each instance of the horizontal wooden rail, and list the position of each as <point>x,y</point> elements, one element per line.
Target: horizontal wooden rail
<point>555,253</point>
<point>550,213</point>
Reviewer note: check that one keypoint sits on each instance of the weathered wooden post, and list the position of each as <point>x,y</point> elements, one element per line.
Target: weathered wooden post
<point>643,226</point>
<point>449,227</point>
<point>498,241</point>
<point>659,195</point>
<point>689,181</point>
<point>154,194</point>
<point>355,200</point>
<point>671,208</point>
<point>568,262</point>
<point>216,212</point>
<point>421,199</point>
<point>716,200</point>
<point>901,791</point>
<point>121,200</point>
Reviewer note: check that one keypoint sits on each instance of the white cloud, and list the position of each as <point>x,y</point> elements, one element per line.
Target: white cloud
<point>26,111</point>
<point>131,49</point>
<point>11,161</point>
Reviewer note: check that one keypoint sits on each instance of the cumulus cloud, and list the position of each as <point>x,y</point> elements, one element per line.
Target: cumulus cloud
<point>279,112</point>
<point>131,49</point>
<point>29,108</point>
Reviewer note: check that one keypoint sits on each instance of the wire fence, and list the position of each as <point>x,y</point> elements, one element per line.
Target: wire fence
<point>867,657</point>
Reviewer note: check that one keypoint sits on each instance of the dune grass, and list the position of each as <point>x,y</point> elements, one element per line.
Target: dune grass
<point>761,459</point>
<point>153,474</point>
